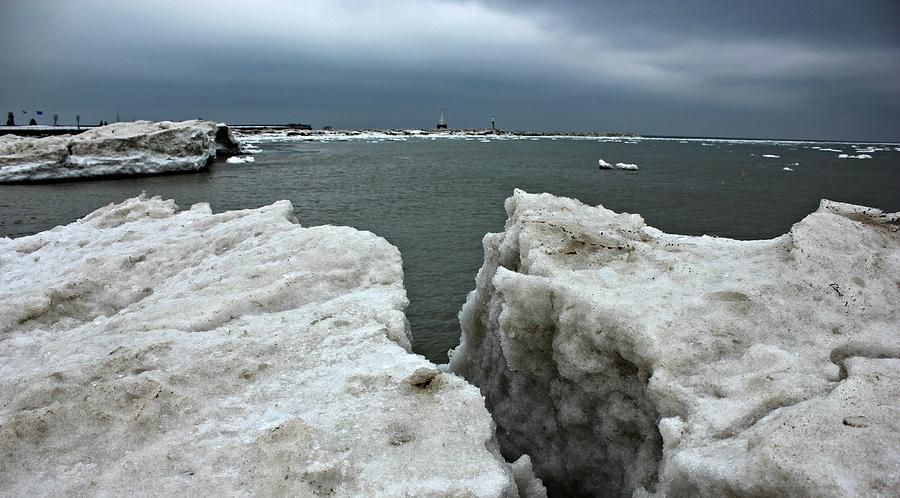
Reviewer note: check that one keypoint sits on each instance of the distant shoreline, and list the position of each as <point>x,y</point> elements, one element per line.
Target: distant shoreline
<point>294,130</point>
<point>416,131</point>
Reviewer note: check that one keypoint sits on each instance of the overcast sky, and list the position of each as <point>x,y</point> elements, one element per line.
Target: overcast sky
<point>789,69</point>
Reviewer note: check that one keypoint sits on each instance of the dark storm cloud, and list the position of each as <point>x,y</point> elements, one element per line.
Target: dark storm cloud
<point>789,69</point>
<point>822,22</point>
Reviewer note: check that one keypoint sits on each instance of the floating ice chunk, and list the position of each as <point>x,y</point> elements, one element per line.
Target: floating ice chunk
<point>823,149</point>
<point>850,156</point>
<point>787,169</point>
<point>240,159</point>
<point>604,164</point>
<point>772,156</point>
<point>627,166</point>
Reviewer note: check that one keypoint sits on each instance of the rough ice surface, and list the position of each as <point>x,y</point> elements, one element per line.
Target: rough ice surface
<point>139,147</point>
<point>149,351</point>
<point>240,159</point>
<point>627,361</point>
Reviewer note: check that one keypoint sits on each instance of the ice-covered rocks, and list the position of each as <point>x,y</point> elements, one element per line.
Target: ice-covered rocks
<point>627,361</point>
<point>139,147</point>
<point>149,351</point>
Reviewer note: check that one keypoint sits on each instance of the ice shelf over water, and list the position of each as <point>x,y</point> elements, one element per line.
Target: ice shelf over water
<point>149,351</point>
<point>139,147</point>
<point>627,361</point>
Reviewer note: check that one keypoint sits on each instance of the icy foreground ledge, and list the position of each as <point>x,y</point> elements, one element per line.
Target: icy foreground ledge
<point>628,361</point>
<point>144,350</point>
<point>139,147</point>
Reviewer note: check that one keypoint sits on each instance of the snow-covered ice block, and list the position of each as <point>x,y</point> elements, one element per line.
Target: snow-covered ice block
<point>139,147</point>
<point>628,361</point>
<point>149,351</point>
<point>604,165</point>
<point>627,166</point>
<point>851,156</point>
<point>240,159</point>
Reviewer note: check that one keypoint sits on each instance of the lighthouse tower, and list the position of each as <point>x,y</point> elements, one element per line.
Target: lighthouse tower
<point>442,123</point>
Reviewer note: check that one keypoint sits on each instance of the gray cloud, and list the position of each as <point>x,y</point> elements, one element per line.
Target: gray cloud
<point>806,69</point>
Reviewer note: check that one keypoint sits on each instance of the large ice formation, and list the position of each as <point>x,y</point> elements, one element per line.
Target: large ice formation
<point>628,361</point>
<point>139,147</point>
<point>148,351</point>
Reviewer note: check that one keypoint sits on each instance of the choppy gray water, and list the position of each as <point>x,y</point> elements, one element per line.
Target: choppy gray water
<point>435,199</point>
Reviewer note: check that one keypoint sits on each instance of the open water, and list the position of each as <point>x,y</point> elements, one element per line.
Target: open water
<point>435,199</point>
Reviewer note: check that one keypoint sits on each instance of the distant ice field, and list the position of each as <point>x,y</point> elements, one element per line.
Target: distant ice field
<point>435,196</point>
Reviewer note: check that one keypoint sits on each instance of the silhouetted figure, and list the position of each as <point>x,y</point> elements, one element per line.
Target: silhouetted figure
<point>32,122</point>
<point>10,119</point>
